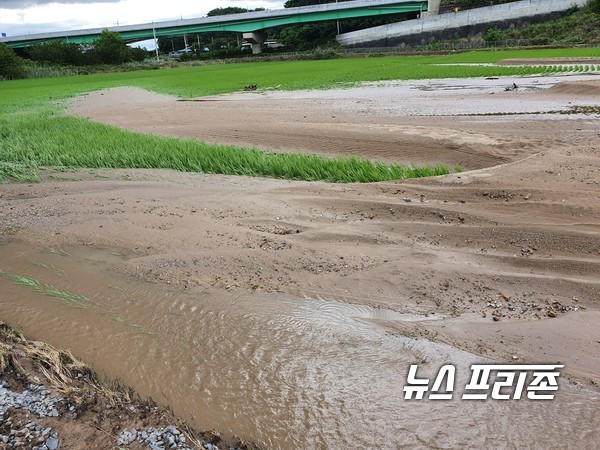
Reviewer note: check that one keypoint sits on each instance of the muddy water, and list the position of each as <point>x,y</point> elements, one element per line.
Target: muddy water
<point>281,371</point>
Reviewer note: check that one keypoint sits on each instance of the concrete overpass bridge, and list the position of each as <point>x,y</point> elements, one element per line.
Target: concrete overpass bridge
<point>251,24</point>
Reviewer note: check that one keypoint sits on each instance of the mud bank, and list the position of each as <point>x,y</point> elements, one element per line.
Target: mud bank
<point>50,400</point>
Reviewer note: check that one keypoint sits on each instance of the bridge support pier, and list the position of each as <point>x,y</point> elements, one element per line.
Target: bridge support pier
<point>433,8</point>
<point>257,38</point>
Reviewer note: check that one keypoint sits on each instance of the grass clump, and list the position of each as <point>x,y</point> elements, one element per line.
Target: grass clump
<point>16,171</point>
<point>68,298</point>
<point>78,143</point>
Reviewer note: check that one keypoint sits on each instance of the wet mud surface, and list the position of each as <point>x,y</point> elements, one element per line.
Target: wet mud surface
<point>288,313</point>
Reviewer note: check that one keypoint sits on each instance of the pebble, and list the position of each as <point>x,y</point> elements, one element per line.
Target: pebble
<point>52,443</point>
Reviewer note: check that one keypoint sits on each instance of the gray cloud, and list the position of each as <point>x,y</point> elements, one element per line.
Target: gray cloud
<point>23,4</point>
<point>21,29</point>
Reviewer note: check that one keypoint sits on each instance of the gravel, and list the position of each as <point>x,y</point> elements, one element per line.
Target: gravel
<point>155,438</point>
<point>41,402</point>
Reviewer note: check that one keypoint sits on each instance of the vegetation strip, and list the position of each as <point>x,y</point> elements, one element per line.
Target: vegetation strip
<point>70,299</point>
<point>34,132</point>
<point>76,301</point>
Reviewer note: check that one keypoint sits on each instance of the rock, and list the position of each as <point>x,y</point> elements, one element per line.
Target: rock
<point>126,437</point>
<point>551,313</point>
<point>52,443</point>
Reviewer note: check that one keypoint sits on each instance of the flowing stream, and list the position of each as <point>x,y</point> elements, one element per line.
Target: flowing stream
<point>283,372</point>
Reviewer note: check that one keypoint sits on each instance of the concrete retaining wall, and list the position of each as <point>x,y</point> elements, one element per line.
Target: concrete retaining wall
<point>455,25</point>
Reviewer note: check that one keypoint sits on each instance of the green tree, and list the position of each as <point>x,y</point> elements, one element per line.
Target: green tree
<point>170,44</point>
<point>322,34</point>
<point>56,52</point>
<point>138,54</point>
<point>230,10</point>
<point>110,48</point>
<point>307,36</point>
<point>297,3</point>
<point>594,6</point>
<point>11,66</point>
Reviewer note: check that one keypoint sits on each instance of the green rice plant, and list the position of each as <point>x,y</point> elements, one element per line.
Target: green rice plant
<point>107,146</point>
<point>56,177</point>
<point>69,298</point>
<point>35,133</point>
<point>25,281</point>
<point>51,267</point>
<point>118,318</point>
<point>55,251</point>
<point>53,292</point>
<point>16,171</point>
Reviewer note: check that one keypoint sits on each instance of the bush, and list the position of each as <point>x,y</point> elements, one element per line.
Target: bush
<point>57,52</point>
<point>11,66</point>
<point>138,54</point>
<point>36,70</point>
<point>492,34</point>
<point>594,6</point>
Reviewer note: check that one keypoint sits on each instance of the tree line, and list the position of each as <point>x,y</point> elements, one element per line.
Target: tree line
<point>293,38</point>
<point>111,49</point>
<point>108,49</point>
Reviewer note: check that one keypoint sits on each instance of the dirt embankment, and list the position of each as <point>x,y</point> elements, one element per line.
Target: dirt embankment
<point>51,400</point>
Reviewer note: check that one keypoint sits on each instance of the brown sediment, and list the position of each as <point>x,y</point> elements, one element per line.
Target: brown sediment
<point>244,270</point>
<point>91,413</point>
<point>417,122</point>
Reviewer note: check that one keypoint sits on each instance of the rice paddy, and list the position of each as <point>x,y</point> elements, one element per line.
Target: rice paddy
<point>35,133</point>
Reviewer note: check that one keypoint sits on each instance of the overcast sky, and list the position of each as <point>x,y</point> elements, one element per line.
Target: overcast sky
<point>19,17</point>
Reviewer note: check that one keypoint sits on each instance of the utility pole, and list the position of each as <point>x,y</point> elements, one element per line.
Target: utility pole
<point>338,23</point>
<point>155,41</point>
